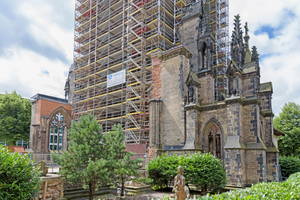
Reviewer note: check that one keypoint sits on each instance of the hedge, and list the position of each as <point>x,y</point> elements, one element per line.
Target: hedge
<point>201,169</point>
<point>289,189</point>
<point>289,165</point>
<point>18,178</point>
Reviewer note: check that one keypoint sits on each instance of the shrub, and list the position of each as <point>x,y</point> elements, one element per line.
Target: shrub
<point>200,169</point>
<point>205,171</point>
<point>289,165</point>
<point>289,189</point>
<point>162,170</point>
<point>18,178</point>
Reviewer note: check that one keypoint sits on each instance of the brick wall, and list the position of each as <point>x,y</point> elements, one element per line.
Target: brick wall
<point>156,78</point>
<point>46,107</point>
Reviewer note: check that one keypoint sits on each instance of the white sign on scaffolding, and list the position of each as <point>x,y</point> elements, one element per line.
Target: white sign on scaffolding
<point>116,78</point>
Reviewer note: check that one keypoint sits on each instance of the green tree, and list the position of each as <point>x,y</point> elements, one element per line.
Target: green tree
<point>122,165</point>
<point>15,114</point>
<point>19,179</point>
<point>86,160</point>
<point>288,122</point>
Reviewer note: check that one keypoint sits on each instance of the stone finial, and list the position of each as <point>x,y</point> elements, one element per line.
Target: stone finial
<point>246,28</point>
<point>248,55</point>
<point>255,55</point>
<point>43,168</point>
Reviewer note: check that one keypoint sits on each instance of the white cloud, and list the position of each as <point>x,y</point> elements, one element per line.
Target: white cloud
<point>25,69</point>
<point>51,22</point>
<point>31,76</point>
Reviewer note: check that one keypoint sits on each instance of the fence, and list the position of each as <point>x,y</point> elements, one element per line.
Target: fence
<point>272,172</point>
<point>53,167</point>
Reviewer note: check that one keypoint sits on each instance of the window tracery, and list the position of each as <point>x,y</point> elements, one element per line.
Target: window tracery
<point>57,125</point>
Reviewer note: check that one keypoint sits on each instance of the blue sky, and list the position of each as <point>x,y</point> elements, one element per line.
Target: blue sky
<point>36,45</point>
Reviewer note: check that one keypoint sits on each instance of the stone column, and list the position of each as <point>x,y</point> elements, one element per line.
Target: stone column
<point>192,129</point>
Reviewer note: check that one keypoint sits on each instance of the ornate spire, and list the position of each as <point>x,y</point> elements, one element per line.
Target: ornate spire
<point>206,26</point>
<point>237,32</point>
<point>255,55</point>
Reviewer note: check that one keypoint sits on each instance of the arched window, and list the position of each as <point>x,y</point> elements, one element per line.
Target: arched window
<point>57,125</point>
<point>203,56</point>
<point>213,133</point>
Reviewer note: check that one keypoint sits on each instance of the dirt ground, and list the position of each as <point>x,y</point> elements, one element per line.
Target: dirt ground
<point>148,196</point>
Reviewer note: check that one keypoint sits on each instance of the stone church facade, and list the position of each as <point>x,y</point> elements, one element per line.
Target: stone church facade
<point>186,116</point>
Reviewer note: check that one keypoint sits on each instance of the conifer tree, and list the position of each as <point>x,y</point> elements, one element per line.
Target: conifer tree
<point>86,158</point>
<point>123,166</point>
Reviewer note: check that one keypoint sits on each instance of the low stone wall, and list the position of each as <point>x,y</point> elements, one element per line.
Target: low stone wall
<point>52,187</point>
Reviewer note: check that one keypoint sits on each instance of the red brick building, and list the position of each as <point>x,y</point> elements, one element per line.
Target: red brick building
<point>50,121</point>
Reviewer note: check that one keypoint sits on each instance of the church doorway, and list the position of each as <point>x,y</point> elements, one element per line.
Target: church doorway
<point>213,134</point>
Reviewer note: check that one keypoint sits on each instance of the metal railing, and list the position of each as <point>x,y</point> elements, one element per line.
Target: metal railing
<point>272,172</point>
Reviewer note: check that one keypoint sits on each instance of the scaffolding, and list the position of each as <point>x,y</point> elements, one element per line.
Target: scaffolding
<point>219,21</point>
<point>112,35</point>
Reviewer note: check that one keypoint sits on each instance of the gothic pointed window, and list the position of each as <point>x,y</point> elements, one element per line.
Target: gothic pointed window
<point>56,132</point>
<point>214,139</point>
<point>203,56</point>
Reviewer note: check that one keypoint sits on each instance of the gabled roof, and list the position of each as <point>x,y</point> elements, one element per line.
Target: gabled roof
<point>278,132</point>
<point>233,66</point>
<point>266,87</point>
<point>194,77</point>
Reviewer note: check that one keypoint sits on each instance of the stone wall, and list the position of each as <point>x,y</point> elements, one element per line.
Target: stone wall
<point>174,74</point>
<point>254,161</point>
<point>234,119</point>
<point>207,89</point>
<point>251,125</point>
<point>188,38</point>
<point>54,187</point>
<point>266,101</point>
<point>248,87</point>
<point>235,167</point>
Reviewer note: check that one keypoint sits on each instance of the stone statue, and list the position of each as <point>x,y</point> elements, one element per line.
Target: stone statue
<point>43,168</point>
<point>191,94</point>
<point>179,184</point>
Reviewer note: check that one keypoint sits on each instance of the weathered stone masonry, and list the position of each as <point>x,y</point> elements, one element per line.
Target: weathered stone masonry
<point>186,116</point>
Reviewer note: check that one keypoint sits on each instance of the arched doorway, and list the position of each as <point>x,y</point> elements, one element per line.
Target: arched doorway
<point>213,136</point>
